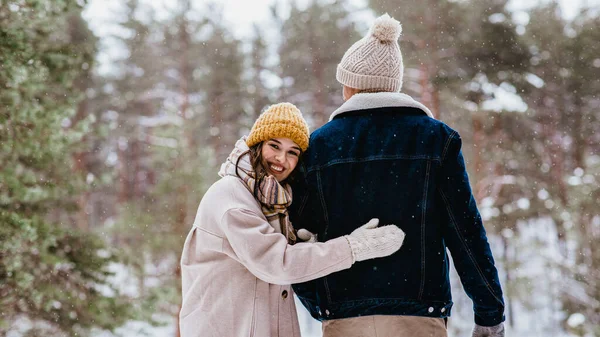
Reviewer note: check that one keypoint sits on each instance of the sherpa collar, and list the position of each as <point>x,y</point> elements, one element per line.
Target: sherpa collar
<point>370,100</point>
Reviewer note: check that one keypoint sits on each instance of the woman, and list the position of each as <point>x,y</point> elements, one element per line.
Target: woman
<point>241,255</point>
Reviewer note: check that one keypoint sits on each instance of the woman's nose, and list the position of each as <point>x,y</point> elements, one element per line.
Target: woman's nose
<point>280,157</point>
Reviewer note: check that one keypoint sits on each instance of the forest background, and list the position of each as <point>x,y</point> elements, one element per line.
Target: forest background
<point>109,138</point>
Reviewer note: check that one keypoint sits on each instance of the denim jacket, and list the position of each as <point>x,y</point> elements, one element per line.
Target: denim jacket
<point>382,155</point>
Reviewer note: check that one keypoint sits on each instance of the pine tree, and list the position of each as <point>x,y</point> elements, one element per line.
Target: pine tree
<point>431,44</point>
<point>537,170</point>
<point>172,117</point>
<point>220,76</point>
<point>565,101</point>
<point>257,90</point>
<point>55,277</point>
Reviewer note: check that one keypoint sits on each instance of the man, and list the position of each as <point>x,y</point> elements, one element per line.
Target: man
<point>383,155</point>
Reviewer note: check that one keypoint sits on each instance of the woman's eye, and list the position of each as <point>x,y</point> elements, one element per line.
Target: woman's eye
<point>293,153</point>
<point>274,146</point>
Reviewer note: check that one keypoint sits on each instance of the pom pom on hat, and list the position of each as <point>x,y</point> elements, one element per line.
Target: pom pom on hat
<point>386,29</point>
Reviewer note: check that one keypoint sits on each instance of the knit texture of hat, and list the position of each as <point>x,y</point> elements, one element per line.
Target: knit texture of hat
<point>281,120</point>
<point>375,61</point>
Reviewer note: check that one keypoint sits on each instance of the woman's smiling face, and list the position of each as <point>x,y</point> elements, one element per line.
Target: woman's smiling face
<point>280,157</point>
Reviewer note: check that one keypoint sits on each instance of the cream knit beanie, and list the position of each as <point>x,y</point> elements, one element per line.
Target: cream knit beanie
<point>375,61</point>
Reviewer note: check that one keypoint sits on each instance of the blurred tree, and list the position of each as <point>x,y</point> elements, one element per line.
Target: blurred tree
<point>185,88</point>
<point>175,106</point>
<point>135,100</point>
<point>540,164</point>
<point>52,276</point>
<point>219,73</point>
<point>431,41</point>
<point>130,102</point>
<point>313,41</point>
<point>195,134</point>
<point>565,67</point>
<point>257,90</point>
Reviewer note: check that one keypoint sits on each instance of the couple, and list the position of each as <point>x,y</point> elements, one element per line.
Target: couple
<point>382,156</point>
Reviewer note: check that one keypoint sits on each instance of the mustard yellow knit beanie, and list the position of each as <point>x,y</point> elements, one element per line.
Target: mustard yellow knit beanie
<point>282,120</point>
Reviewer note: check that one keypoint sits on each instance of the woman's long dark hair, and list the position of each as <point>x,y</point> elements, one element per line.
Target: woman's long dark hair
<point>255,153</point>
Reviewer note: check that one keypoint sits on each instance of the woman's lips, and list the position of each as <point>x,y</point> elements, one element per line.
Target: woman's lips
<point>272,168</point>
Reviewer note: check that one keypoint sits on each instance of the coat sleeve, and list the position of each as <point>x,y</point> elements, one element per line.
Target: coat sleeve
<point>268,256</point>
<point>466,238</point>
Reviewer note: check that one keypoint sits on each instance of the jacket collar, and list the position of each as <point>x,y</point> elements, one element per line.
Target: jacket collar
<point>364,101</point>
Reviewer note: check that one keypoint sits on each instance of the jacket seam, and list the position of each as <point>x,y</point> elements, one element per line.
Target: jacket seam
<point>466,247</point>
<point>374,325</point>
<point>448,145</point>
<point>279,312</point>
<point>209,232</point>
<point>303,203</point>
<point>304,199</point>
<point>327,289</point>
<point>326,219</point>
<point>322,199</point>
<point>370,158</point>
<point>253,329</point>
<point>423,222</point>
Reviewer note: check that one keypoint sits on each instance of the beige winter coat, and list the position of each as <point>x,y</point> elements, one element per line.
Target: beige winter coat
<point>237,268</point>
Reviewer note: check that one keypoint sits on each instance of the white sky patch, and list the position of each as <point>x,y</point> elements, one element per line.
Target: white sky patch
<point>520,17</point>
<point>534,80</point>
<point>241,15</point>
<point>576,320</point>
<point>574,181</point>
<point>523,203</point>
<point>569,8</point>
<point>505,99</point>
<point>543,194</point>
<point>497,18</point>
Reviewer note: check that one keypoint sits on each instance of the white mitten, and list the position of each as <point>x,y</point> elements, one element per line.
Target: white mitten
<point>370,241</point>
<point>306,236</point>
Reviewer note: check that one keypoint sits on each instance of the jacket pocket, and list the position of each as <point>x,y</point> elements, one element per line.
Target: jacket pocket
<point>208,241</point>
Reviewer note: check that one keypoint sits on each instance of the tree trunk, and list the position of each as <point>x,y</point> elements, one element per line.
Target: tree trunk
<point>185,143</point>
<point>579,134</point>
<point>425,86</point>
<point>478,138</point>
<point>435,103</point>
<point>508,295</point>
<point>319,103</point>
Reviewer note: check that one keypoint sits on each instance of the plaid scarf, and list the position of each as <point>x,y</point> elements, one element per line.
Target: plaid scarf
<point>274,198</point>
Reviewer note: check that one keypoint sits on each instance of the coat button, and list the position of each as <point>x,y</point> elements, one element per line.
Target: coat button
<point>443,310</point>
<point>284,294</point>
<point>430,309</point>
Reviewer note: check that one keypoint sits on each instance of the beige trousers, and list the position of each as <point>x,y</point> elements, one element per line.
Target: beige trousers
<point>385,326</point>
